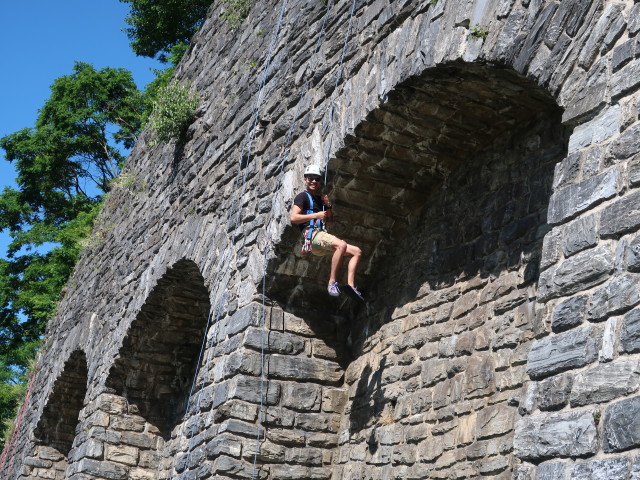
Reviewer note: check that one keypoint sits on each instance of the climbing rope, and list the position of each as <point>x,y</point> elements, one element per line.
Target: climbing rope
<point>289,135</point>
<point>236,210</point>
<point>335,88</point>
<point>224,262</point>
<point>8,449</point>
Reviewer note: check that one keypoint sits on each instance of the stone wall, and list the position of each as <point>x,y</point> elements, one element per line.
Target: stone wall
<point>491,181</point>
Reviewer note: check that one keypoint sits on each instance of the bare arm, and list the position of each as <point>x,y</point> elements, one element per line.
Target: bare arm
<point>327,203</point>
<point>297,217</point>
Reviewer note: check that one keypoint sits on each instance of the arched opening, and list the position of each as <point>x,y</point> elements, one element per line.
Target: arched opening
<point>150,381</point>
<point>445,187</point>
<point>56,429</point>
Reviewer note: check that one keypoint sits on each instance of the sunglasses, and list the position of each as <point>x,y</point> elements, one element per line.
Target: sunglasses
<point>313,178</point>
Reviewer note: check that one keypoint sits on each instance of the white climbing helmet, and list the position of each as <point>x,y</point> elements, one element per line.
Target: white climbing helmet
<point>312,170</point>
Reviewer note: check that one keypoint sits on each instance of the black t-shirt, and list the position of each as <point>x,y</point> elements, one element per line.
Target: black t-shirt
<point>302,200</point>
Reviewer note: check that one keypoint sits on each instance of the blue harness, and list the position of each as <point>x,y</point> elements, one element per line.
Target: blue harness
<point>314,224</point>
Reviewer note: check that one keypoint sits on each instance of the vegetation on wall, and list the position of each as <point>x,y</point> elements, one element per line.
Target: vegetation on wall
<point>65,167</point>
<point>173,111</point>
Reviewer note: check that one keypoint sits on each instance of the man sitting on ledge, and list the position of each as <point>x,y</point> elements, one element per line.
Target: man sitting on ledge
<point>312,211</point>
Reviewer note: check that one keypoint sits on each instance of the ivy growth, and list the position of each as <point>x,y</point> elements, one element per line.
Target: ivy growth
<point>235,11</point>
<point>173,112</point>
<point>478,32</point>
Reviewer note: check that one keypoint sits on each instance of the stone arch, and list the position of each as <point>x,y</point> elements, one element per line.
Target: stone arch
<point>445,186</point>
<point>158,358</point>
<point>149,383</point>
<point>56,429</point>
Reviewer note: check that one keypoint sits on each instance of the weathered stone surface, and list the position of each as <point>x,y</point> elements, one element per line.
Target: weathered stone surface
<point>603,126</point>
<point>565,351</point>
<point>304,369</point>
<point>608,351</point>
<point>551,471</point>
<point>570,313</point>
<point>583,270</point>
<point>573,199</point>
<point>570,434</point>
<point>553,393</point>
<point>632,254</point>
<point>621,216</point>
<point>615,296</point>
<point>273,341</point>
<point>630,334</point>
<point>579,235</point>
<point>494,421</point>
<point>622,425</point>
<point>610,468</point>
<point>603,383</point>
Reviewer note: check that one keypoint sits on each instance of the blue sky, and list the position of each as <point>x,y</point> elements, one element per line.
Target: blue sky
<point>40,41</point>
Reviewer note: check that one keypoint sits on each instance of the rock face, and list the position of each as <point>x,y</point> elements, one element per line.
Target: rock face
<point>492,184</point>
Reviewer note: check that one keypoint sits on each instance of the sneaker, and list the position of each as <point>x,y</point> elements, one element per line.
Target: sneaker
<point>333,289</point>
<point>353,292</point>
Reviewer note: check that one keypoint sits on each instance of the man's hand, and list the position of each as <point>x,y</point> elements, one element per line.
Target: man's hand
<point>326,201</point>
<point>324,215</point>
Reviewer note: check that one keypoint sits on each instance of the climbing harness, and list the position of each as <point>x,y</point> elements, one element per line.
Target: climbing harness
<point>315,225</point>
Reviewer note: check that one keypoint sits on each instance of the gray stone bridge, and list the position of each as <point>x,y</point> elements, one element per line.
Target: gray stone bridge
<point>484,155</point>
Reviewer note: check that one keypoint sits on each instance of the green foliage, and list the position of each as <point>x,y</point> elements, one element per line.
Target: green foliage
<point>13,388</point>
<point>64,167</point>
<point>163,77</point>
<point>155,26</point>
<point>478,32</point>
<point>173,112</point>
<point>235,11</point>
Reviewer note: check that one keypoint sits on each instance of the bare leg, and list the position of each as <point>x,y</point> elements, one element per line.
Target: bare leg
<point>352,266</point>
<point>339,249</point>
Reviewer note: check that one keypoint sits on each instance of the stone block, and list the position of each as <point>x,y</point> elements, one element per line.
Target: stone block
<point>603,383</point>
<point>621,216</point>
<point>318,422</point>
<point>273,342</point>
<point>622,54</point>
<point>567,434</point>
<point>551,248</point>
<point>632,254</point>
<point>582,271</point>
<point>567,171</point>
<point>621,425</point>
<point>608,350</point>
<point>617,295</point>
<point>605,24</point>
<point>305,369</point>
<point>302,396</point>
<point>576,198</point>
<point>624,80</point>
<point>630,334</point>
<point>252,389</point>
<point>580,235</point>
<point>551,471</point>
<point>494,421</point>
<point>565,351</point>
<point>570,313</point>
<point>609,468</point>
<point>106,470</point>
<point>480,377</point>
<point>121,454</point>
<point>603,126</point>
<point>224,445</point>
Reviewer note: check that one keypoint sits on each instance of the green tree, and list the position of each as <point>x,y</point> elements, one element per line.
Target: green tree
<point>157,25</point>
<point>64,166</point>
